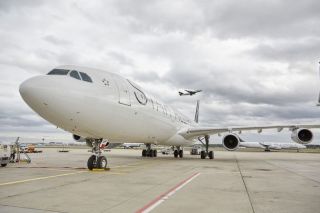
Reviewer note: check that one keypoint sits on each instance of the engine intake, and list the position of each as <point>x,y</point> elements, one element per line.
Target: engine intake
<point>231,142</point>
<point>78,138</point>
<point>302,136</point>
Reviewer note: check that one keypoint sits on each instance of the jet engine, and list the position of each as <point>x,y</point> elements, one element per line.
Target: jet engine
<point>78,138</point>
<point>231,142</point>
<point>302,136</point>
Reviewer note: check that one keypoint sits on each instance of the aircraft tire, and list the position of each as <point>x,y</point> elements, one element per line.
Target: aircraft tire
<point>3,165</point>
<point>203,154</point>
<point>155,153</point>
<point>181,153</point>
<point>211,155</point>
<point>175,153</point>
<point>151,153</point>
<point>102,162</point>
<point>91,162</point>
<point>144,153</point>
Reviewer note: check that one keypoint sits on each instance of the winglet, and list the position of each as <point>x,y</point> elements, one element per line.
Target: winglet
<point>196,116</point>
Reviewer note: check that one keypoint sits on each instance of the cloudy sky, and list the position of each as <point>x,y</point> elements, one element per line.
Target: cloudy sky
<point>256,61</point>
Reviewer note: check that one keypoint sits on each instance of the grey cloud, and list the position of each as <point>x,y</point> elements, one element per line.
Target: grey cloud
<point>147,76</point>
<point>121,58</point>
<point>56,41</point>
<point>227,19</point>
<point>6,6</point>
<point>278,19</point>
<point>292,51</point>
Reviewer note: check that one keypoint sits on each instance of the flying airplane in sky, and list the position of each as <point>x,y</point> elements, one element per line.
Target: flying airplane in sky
<point>267,146</point>
<point>97,106</point>
<point>188,92</point>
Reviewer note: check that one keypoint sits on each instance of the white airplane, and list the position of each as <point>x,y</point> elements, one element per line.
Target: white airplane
<point>188,92</point>
<point>267,146</point>
<point>95,106</point>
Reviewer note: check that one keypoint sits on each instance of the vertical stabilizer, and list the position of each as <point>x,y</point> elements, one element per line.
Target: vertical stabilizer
<point>196,116</point>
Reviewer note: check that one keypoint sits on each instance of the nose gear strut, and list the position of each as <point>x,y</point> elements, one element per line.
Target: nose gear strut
<point>97,160</point>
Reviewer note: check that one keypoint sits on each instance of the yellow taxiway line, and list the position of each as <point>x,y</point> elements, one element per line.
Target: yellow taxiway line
<point>39,178</point>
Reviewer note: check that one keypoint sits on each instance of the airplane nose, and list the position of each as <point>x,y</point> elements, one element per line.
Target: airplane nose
<point>27,89</point>
<point>24,88</point>
<point>32,91</point>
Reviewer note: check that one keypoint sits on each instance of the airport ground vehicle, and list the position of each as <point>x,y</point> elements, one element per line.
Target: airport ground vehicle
<point>4,155</point>
<point>30,148</point>
<point>195,150</point>
<point>167,151</point>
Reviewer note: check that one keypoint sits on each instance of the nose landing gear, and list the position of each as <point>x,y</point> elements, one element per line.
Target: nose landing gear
<point>97,160</point>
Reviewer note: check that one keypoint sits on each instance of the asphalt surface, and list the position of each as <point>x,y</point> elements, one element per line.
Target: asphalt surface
<point>232,182</point>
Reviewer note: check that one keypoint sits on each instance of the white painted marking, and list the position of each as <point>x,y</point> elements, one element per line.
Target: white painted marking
<point>156,202</point>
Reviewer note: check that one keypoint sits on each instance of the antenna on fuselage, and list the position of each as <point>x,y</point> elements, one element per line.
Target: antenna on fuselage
<point>196,116</point>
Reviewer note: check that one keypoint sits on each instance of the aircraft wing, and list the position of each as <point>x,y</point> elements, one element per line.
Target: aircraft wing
<point>195,132</point>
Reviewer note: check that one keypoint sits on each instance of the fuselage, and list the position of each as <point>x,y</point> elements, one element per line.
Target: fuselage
<point>98,104</point>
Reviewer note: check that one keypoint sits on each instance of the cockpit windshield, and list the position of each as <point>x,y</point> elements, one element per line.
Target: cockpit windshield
<point>85,77</point>
<point>73,73</point>
<point>58,72</point>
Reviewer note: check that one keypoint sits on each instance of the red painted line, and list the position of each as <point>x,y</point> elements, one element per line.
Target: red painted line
<point>162,197</point>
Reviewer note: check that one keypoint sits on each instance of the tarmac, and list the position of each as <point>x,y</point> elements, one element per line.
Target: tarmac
<point>232,182</point>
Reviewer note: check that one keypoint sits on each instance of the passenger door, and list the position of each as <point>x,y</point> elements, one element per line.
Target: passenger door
<point>123,91</point>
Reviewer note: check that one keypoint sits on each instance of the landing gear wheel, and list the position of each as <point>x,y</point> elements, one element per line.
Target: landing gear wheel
<point>155,153</point>
<point>211,155</point>
<point>175,153</point>
<point>102,162</point>
<point>181,153</point>
<point>91,162</point>
<point>203,154</point>
<point>3,165</point>
<point>144,153</point>
<point>151,153</point>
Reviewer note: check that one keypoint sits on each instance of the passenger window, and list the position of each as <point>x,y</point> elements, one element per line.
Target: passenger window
<point>75,74</point>
<point>58,72</point>
<point>85,77</point>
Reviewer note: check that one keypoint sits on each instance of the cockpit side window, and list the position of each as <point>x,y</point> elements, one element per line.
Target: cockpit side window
<point>75,74</point>
<point>85,77</point>
<point>58,72</point>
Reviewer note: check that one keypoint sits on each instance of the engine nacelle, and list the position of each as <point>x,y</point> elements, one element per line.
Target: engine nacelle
<point>78,138</point>
<point>231,142</point>
<point>302,136</point>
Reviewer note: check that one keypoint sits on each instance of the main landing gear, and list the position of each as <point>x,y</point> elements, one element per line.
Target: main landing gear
<point>178,152</point>
<point>97,160</point>
<point>149,152</point>
<point>206,153</point>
